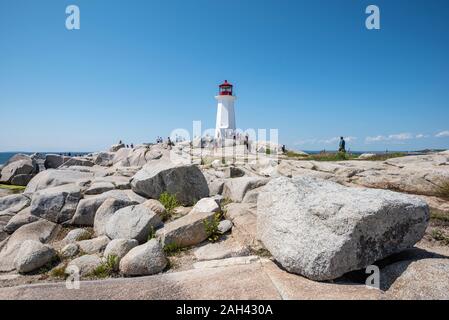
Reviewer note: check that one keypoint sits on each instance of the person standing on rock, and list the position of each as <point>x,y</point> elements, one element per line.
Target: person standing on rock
<point>342,146</point>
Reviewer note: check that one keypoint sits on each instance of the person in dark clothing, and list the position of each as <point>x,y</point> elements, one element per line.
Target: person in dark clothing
<point>342,146</point>
<point>283,148</point>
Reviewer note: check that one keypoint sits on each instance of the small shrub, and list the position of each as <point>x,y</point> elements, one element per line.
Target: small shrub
<point>439,235</point>
<point>152,233</point>
<point>107,268</point>
<point>59,272</point>
<point>439,216</point>
<point>443,190</point>
<point>172,249</point>
<point>211,227</point>
<point>170,203</point>
<point>268,151</point>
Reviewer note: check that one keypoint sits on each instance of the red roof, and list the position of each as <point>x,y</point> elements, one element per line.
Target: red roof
<point>225,84</point>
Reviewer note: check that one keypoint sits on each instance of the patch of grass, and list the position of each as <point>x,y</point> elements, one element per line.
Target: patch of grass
<point>59,272</point>
<point>268,151</point>
<point>261,252</point>
<point>107,268</point>
<point>327,156</point>
<point>170,202</point>
<point>386,156</point>
<point>211,227</point>
<point>442,190</point>
<point>440,236</point>
<point>439,216</point>
<point>172,249</point>
<point>293,154</point>
<point>152,233</point>
<point>14,189</point>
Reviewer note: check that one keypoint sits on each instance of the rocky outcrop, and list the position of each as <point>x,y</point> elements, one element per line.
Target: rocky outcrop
<point>56,204</point>
<point>87,207</point>
<point>19,166</point>
<point>145,259</point>
<point>41,230</point>
<point>133,222</point>
<point>20,219</point>
<point>116,147</point>
<point>235,189</point>
<point>33,255</point>
<point>323,230</point>
<point>206,205</point>
<point>14,203</point>
<point>86,264</point>
<point>95,245</point>
<point>118,248</point>
<point>186,182</point>
<point>53,178</point>
<point>77,161</point>
<point>104,159</point>
<point>70,250</point>
<point>54,161</point>
<point>186,231</point>
<point>106,211</point>
<point>76,235</point>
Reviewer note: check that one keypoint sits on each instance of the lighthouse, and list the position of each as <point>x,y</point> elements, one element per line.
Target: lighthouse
<point>225,127</point>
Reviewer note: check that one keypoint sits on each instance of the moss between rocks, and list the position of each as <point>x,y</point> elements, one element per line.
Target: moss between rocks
<point>15,189</point>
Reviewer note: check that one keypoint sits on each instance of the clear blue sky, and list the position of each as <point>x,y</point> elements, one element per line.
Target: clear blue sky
<point>140,68</point>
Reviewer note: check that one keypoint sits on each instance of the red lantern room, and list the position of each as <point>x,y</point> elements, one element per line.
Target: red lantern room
<point>225,89</point>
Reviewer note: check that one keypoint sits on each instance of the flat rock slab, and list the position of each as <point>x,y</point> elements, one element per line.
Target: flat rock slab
<point>221,250</point>
<point>256,281</point>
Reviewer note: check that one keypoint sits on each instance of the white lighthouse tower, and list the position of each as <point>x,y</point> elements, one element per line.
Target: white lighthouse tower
<point>225,127</point>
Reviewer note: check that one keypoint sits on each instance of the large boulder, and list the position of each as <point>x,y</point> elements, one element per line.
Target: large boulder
<point>99,188</point>
<point>76,161</point>
<point>56,204</point>
<point>95,245</point>
<point>22,179</point>
<point>235,189</point>
<point>145,259</point>
<point>186,231</point>
<point>206,205</point>
<point>186,182</point>
<point>14,203</point>
<point>54,161</point>
<point>133,222</point>
<point>118,248</point>
<point>41,230</point>
<point>24,166</point>
<point>53,178</point>
<point>104,159</point>
<point>86,264</point>
<point>20,219</point>
<point>33,255</point>
<point>85,212</point>
<point>77,235</point>
<point>106,211</point>
<point>116,147</point>
<point>322,230</point>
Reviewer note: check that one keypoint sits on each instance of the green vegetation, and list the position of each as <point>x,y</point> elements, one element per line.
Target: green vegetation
<point>439,235</point>
<point>443,190</point>
<point>293,154</point>
<point>107,268</point>
<point>326,156</point>
<point>152,233</point>
<point>386,156</point>
<point>439,216</point>
<point>14,189</point>
<point>268,151</point>
<point>211,227</point>
<point>59,272</point>
<point>170,202</point>
<point>261,252</point>
<point>172,249</point>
